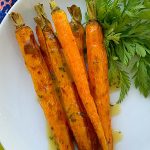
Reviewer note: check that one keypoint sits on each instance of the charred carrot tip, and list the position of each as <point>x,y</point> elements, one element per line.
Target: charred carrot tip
<point>17,19</point>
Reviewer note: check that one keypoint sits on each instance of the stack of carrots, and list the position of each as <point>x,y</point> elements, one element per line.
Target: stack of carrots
<point>74,98</point>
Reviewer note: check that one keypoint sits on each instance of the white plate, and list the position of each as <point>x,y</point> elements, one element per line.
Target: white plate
<point>22,123</point>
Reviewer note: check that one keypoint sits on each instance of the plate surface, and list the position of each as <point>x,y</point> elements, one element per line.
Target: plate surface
<point>22,123</point>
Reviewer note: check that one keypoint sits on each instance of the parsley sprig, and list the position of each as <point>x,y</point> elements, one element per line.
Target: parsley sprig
<point>126,26</point>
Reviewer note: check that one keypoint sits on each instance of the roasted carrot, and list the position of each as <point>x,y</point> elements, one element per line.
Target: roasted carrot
<point>77,28</point>
<point>98,72</point>
<point>74,114</point>
<point>76,66</point>
<point>79,34</point>
<point>92,134</point>
<point>42,83</point>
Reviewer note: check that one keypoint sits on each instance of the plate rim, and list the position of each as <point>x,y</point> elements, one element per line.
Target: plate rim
<point>7,15</point>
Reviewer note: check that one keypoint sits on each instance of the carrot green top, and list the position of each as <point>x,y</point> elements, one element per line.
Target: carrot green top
<point>53,5</point>
<point>17,19</point>
<point>91,9</point>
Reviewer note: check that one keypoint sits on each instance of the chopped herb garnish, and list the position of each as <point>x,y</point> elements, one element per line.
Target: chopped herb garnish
<point>72,117</point>
<point>52,75</point>
<point>62,69</point>
<point>40,96</point>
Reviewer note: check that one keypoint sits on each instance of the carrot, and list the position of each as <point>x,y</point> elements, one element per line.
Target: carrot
<point>98,73</point>
<point>92,134</point>
<point>42,83</point>
<point>79,34</point>
<point>77,28</point>
<point>76,66</point>
<point>69,101</point>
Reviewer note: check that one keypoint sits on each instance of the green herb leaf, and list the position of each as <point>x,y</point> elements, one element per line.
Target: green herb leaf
<point>124,84</point>
<point>142,77</point>
<point>114,74</point>
<point>140,50</point>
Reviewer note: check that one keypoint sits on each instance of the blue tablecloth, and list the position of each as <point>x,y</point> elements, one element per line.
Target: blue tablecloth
<point>5,5</point>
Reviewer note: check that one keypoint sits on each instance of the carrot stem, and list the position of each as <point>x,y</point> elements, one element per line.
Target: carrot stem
<point>17,19</point>
<point>40,10</point>
<point>91,9</point>
<point>53,5</point>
